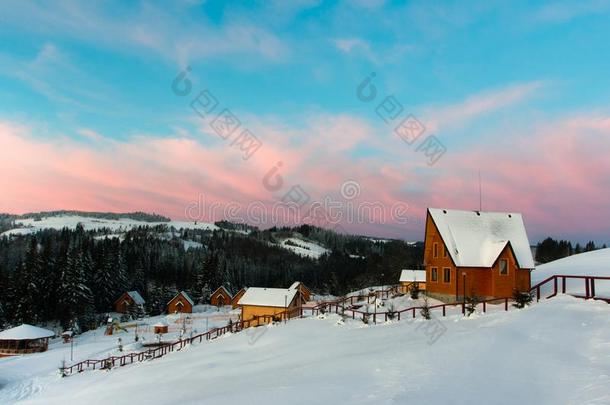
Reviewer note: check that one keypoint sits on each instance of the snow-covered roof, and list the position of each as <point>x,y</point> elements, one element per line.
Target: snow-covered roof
<point>136,297</point>
<point>294,285</point>
<point>185,295</point>
<point>268,297</point>
<point>26,332</point>
<point>222,287</point>
<point>476,239</point>
<point>413,275</point>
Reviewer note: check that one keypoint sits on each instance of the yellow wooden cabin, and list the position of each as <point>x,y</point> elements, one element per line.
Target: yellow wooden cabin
<point>265,305</point>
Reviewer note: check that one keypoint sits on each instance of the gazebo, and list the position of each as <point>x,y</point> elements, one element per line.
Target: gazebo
<point>24,339</point>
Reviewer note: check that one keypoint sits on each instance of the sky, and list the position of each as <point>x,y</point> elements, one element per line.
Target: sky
<point>361,113</point>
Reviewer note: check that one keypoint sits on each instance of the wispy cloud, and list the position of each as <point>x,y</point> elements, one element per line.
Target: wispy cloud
<point>569,10</point>
<point>481,104</point>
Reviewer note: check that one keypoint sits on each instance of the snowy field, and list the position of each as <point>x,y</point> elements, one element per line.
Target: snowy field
<point>23,376</point>
<point>30,225</point>
<point>557,351</point>
<point>303,248</point>
<point>595,263</point>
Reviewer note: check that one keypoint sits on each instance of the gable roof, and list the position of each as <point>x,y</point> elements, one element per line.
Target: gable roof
<point>413,275</point>
<point>294,285</point>
<point>222,287</point>
<point>136,297</point>
<point>476,239</point>
<point>26,332</point>
<point>185,295</point>
<point>268,297</point>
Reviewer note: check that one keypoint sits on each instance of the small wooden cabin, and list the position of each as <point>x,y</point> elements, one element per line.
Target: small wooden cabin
<point>409,278</point>
<point>181,303</point>
<point>160,328</point>
<point>24,339</point>
<point>264,305</point>
<point>237,297</point>
<point>127,301</point>
<point>303,290</point>
<point>221,297</point>
<point>472,253</point>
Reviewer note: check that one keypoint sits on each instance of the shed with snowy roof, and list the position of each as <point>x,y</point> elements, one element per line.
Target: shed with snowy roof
<point>24,339</point>
<point>410,278</point>
<point>265,305</point>
<point>128,301</point>
<point>221,297</point>
<point>473,253</point>
<point>181,303</point>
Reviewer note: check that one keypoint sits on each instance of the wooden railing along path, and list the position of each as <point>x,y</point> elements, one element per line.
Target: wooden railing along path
<point>337,306</point>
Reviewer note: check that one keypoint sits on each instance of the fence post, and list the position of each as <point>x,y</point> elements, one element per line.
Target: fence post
<point>586,288</point>
<point>484,306</point>
<point>563,285</point>
<point>554,286</point>
<point>413,310</point>
<point>463,308</point>
<point>506,304</point>
<point>443,310</point>
<point>592,287</point>
<point>538,293</point>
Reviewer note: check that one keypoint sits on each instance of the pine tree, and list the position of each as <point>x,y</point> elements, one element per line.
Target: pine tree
<point>26,286</point>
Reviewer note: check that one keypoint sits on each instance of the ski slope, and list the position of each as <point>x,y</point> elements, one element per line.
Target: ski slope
<point>557,351</point>
<point>30,225</point>
<point>304,248</point>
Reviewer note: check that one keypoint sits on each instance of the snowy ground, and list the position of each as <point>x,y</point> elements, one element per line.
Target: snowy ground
<point>557,351</point>
<point>595,263</point>
<point>30,225</point>
<point>303,248</point>
<point>23,376</point>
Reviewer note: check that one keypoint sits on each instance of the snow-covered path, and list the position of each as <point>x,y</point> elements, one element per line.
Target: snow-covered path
<point>557,351</point>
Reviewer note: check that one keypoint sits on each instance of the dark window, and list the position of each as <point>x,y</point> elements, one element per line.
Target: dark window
<point>434,274</point>
<point>447,275</point>
<point>435,250</point>
<point>504,267</point>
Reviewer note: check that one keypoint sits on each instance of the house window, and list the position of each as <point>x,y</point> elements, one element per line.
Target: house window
<point>434,274</point>
<point>446,275</point>
<point>504,267</point>
<point>445,251</point>
<point>435,250</point>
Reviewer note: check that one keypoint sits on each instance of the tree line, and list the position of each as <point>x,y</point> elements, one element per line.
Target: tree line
<point>73,276</point>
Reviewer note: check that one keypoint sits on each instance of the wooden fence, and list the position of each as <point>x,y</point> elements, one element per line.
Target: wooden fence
<point>337,306</point>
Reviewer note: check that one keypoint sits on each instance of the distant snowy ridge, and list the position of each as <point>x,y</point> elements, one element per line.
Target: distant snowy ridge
<point>32,225</point>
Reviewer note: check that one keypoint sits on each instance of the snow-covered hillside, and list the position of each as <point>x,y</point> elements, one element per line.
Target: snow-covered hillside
<point>303,248</point>
<point>594,263</point>
<point>554,352</point>
<point>30,225</point>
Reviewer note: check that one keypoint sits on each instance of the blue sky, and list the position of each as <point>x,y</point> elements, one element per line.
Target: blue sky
<point>484,77</point>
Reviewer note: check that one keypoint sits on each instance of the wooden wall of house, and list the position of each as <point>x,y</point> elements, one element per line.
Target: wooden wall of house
<point>220,298</point>
<point>252,311</point>
<point>172,307</point>
<point>442,261</point>
<point>237,297</point>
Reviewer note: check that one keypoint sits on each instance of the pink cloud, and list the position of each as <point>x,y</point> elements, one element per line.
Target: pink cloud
<point>557,175</point>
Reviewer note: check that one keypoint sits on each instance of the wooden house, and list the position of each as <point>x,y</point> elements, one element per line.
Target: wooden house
<point>181,303</point>
<point>24,339</point>
<point>237,297</point>
<point>303,291</point>
<point>471,253</point>
<point>409,278</point>
<point>264,305</point>
<point>128,301</point>
<point>221,297</point>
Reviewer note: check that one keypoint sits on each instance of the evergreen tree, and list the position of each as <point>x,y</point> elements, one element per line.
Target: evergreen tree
<point>26,287</point>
